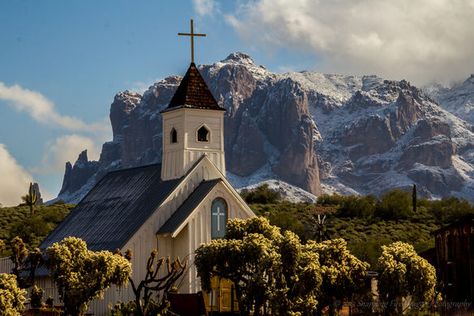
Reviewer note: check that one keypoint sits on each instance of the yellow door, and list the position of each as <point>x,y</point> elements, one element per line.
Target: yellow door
<point>221,297</point>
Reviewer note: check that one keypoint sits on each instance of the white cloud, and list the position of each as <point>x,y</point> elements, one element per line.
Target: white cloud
<point>205,7</point>
<point>64,148</point>
<point>67,148</point>
<point>42,110</point>
<point>419,40</point>
<point>14,179</point>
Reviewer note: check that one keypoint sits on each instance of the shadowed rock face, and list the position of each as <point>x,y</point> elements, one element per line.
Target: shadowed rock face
<point>353,134</point>
<point>78,175</point>
<point>431,146</point>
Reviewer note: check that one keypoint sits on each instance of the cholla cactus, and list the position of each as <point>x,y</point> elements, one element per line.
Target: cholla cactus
<point>19,254</point>
<point>31,198</point>
<point>36,297</point>
<point>12,297</point>
<point>405,274</point>
<point>25,262</point>
<point>82,275</point>
<point>343,274</point>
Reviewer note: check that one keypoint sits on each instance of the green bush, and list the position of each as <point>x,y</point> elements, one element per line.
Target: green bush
<point>450,209</point>
<point>262,194</point>
<point>333,199</point>
<point>16,221</point>
<point>357,206</point>
<point>395,204</point>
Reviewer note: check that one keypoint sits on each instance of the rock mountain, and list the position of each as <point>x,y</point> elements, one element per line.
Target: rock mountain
<point>319,132</point>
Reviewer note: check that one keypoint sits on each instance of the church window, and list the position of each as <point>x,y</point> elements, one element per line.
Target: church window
<point>203,134</point>
<point>218,218</point>
<point>174,136</point>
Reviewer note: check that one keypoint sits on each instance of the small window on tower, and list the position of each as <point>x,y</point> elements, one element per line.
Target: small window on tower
<point>174,136</point>
<point>203,134</point>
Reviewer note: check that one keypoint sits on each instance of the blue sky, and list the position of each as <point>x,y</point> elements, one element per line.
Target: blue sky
<point>62,62</point>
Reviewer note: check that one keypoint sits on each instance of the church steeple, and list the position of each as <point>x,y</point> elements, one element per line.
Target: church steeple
<point>193,92</point>
<point>193,125</point>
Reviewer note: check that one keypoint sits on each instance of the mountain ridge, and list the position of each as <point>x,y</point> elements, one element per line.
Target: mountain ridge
<point>349,134</point>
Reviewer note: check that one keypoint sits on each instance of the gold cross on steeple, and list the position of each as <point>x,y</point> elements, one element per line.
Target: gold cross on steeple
<point>192,34</point>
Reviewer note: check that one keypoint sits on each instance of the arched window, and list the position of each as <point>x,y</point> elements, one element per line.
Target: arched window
<point>218,218</point>
<point>203,134</point>
<point>174,136</point>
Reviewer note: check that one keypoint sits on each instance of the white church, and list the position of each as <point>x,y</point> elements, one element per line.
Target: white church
<point>174,206</point>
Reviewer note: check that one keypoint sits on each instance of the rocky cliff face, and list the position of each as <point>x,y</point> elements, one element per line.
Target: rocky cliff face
<point>339,133</point>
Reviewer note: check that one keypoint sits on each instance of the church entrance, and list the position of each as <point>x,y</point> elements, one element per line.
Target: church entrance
<point>221,300</point>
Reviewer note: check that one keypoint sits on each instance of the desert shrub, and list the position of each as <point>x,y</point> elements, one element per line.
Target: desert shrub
<point>287,220</point>
<point>262,194</point>
<point>330,199</point>
<point>357,206</point>
<point>395,204</point>
<point>448,210</point>
<point>17,221</point>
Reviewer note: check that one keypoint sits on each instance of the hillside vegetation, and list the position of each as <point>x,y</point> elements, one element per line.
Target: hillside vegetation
<point>18,221</point>
<point>365,222</point>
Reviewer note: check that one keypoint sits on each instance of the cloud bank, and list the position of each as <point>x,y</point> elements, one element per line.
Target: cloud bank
<point>422,40</point>
<point>14,179</point>
<point>42,110</point>
<point>66,148</point>
<point>56,152</point>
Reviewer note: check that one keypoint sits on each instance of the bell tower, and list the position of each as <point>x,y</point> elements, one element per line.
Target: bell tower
<point>193,124</point>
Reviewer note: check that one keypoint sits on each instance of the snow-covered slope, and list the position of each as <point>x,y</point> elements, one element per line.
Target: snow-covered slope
<point>457,99</point>
<point>287,191</point>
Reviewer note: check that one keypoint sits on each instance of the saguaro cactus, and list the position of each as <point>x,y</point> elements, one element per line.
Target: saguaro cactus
<point>413,196</point>
<point>31,198</point>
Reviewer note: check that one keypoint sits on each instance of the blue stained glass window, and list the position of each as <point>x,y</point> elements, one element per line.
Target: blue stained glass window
<point>218,218</point>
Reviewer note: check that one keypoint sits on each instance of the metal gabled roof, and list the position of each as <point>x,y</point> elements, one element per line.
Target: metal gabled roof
<point>118,205</point>
<point>188,206</point>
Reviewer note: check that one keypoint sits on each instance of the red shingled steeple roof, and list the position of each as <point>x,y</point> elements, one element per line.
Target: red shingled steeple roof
<point>193,93</point>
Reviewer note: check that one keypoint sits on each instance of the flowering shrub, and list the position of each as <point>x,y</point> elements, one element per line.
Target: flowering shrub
<point>343,275</point>
<point>274,271</point>
<point>11,296</point>
<point>404,273</point>
<point>82,275</point>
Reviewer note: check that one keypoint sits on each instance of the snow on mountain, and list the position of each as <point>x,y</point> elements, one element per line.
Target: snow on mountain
<point>319,132</point>
<point>457,98</point>
<point>287,191</point>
